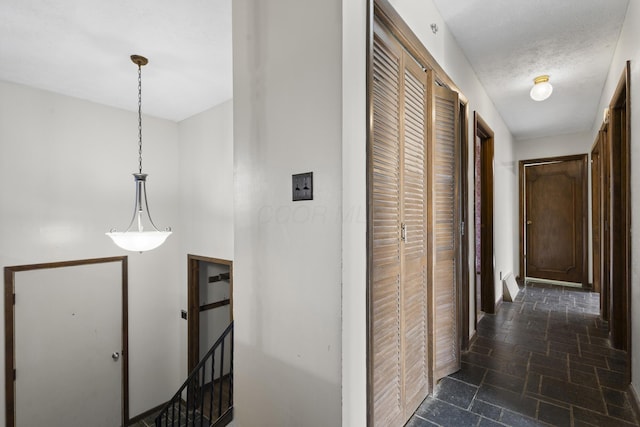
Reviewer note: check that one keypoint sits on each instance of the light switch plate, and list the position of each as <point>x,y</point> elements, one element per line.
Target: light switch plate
<point>302,186</point>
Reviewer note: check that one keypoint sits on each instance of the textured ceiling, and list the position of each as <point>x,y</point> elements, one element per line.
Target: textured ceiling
<point>81,48</point>
<point>509,42</point>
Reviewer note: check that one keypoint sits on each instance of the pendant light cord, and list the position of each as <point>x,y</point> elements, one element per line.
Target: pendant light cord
<point>139,118</point>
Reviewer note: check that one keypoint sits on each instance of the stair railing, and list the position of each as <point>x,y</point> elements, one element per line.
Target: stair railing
<point>206,397</point>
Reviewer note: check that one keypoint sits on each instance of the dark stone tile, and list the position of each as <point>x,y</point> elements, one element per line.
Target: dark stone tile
<point>513,419</point>
<point>533,382</point>
<point>550,361</point>
<point>486,422</point>
<point>611,379</point>
<point>599,361</point>
<point>622,413</point>
<point>509,382</point>
<point>416,421</point>
<point>470,374</point>
<point>554,415</point>
<point>573,394</point>
<point>617,364</point>
<point>595,419</point>
<point>480,349</point>
<point>516,366</point>
<point>507,399</point>
<point>444,414</point>
<point>604,351</point>
<point>576,366</point>
<point>547,371</point>
<point>599,332</point>
<point>584,378</point>
<point>571,348</point>
<point>455,392</point>
<point>615,397</point>
<point>536,345</point>
<point>486,409</point>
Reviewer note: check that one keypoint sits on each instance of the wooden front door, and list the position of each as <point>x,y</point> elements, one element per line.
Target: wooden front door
<point>555,218</point>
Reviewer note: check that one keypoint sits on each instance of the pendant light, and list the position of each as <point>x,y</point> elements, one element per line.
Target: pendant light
<point>142,234</point>
<point>541,89</point>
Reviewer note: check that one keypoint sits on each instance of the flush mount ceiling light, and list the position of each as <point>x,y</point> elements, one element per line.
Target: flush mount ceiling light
<point>541,89</point>
<point>142,234</point>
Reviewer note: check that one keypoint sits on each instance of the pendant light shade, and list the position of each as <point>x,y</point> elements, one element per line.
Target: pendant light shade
<point>142,234</point>
<point>541,89</point>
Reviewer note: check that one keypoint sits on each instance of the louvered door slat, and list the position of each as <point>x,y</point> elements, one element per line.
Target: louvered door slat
<point>385,214</point>
<point>446,347</point>
<point>415,275</point>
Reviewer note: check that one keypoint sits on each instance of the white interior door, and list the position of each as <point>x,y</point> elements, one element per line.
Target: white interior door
<point>68,325</point>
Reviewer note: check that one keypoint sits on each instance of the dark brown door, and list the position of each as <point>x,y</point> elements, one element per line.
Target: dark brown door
<point>555,220</point>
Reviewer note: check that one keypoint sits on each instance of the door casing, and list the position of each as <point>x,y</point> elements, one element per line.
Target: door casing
<point>485,137</point>
<point>522,210</point>
<point>194,303</point>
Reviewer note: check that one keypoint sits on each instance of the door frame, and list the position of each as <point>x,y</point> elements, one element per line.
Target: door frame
<point>596,215</point>
<point>487,268</point>
<point>585,208</point>
<point>193,304</point>
<point>619,134</point>
<point>605,220</point>
<point>9,329</point>
<point>464,303</point>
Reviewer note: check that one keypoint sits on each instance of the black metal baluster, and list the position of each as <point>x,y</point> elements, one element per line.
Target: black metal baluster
<point>203,388</point>
<point>221,372</point>
<point>213,388</point>
<point>231,373</point>
<point>195,388</point>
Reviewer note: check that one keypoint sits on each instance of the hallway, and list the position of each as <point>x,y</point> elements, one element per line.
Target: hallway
<point>542,360</point>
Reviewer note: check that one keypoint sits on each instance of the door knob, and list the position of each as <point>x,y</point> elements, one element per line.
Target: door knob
<point>529,222</point>
<point>115,356</point>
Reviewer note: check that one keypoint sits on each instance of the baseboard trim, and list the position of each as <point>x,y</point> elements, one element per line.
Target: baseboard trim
<point>633,399</point>
<point>498,304</point>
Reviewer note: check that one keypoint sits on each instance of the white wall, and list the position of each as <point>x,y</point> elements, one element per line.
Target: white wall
<point>554,146</point>
<point>354,214</point>
<point>206,195</point>
<point>65,179</point>
<point>206,182</point>
<point>287,262</point>
<point>629,49</point>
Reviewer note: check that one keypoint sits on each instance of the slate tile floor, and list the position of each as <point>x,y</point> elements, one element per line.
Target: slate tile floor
<point>542,360</point>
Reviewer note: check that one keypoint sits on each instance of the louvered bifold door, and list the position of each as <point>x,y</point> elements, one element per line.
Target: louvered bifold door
<point>444,197</point>
<point>414,248</point>
<point>399,332</point>
<point>385,364</point>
